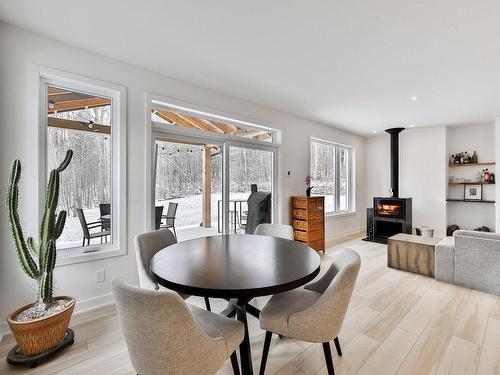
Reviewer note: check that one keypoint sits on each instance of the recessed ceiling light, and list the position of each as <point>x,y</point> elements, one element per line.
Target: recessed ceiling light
<point>412,126</point>
<point>374,132</point>
<point>414,98</point>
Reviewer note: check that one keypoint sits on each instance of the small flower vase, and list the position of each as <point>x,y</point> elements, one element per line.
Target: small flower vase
<point>308,191</point>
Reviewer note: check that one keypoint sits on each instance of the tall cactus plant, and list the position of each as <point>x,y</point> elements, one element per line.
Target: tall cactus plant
<point>38,261</point>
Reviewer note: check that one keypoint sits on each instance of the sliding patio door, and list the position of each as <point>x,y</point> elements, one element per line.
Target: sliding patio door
<point>188,187</point>
<point>207,166</point>
<point>249,169</point>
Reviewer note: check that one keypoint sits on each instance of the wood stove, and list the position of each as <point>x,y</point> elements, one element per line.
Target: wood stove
<point>390,215</point>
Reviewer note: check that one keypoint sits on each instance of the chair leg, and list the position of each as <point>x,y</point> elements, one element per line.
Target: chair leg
<point>83,243</point>
<point>267,344</point>
<point>328,358</point>
<point>337,346</point>
<point>207,304</point>
<point>234,363</point>
<point>175,234</point>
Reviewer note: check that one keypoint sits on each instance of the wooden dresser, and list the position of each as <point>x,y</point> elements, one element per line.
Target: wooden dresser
<point>308,221</point>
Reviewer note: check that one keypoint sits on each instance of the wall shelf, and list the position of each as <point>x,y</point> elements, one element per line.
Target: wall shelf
<point>469,201</point>
<point>470,164</point>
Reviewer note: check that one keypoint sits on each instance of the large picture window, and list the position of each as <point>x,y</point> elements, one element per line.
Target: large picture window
<point>85,119</point>
<point>332,173</point>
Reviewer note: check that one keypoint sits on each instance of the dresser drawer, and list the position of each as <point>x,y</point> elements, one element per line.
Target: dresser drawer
<point>300,235</point>
<point>299,224</point>
<point>316,224</point>
<point>299,213</point>
<point>298,202</point>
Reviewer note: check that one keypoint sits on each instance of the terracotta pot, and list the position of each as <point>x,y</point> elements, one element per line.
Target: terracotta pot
<point>40,335</point>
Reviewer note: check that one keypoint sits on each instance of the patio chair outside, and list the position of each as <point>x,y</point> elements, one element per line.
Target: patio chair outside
<point>105,209</point>
<point>170,217</point>
<point>158,215</point>
<point>86,227</point>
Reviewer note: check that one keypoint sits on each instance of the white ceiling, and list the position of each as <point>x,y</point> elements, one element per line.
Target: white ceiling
<point>350,64</point>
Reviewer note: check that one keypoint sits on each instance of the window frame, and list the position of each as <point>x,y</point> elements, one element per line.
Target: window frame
<point>226,140</point>
<point>118,244</point>
<point>351,192</point>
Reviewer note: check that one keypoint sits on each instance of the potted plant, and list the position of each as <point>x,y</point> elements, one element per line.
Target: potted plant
<point>39,326</point>
<point>307,180</point>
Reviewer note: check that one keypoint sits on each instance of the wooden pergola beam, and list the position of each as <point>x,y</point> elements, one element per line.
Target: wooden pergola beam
<point>78,125</point>
<point>73,105</point>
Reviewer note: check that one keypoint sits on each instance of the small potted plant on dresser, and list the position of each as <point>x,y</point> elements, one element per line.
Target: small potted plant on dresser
<point>40,328</point>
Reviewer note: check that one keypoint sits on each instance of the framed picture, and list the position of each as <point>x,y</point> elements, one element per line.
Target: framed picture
<point>474,192</point>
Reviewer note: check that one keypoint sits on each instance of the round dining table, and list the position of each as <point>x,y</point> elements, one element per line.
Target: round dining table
<point>237,268</point>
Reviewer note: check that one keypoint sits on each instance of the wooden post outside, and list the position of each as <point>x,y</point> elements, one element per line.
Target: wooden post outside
<point>207,187</point>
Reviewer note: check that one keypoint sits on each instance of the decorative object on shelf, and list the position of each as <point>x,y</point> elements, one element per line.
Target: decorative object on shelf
<point>464,158</point>
<point>424,231</point>
<point>486,175</point>
<point>39,328</point>
<point>491,180</point>
<point>451,229</point>
<point>473,192</point>
<point>482,229</point>
<point>467,158</point>
<point>474,158</point>
<point>307,180</point>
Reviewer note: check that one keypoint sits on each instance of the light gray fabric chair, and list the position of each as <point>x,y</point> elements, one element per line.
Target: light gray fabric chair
<point>275,230</point>
<point>314,313</point>
<point>146,246</point>
<point>165,335</point>
<point>470,259</point>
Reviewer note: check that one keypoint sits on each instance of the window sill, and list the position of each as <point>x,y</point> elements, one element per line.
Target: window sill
<point>76,255</point>
<point>340,214</point>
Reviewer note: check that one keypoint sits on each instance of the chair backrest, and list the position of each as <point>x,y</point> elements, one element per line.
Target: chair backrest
<point>146,245</point>
<point>323,320</point>
<point>158,214</point>
<point>105,209</point>
<point>83,222</point>
<point>172,209</point>
<point>275,230</point>
<point>161,333</point>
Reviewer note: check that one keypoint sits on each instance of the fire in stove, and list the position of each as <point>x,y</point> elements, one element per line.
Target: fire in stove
<point>389,209</point>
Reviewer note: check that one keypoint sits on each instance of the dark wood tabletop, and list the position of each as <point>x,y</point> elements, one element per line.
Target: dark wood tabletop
<point>235,266</point>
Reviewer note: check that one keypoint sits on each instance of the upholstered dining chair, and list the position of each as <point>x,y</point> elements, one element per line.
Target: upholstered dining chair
<point>275,230</point>
<point>315,312</point>
<point>146,246</point>
<point>165,335</point>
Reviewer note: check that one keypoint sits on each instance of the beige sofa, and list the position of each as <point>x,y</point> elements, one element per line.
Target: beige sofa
<point>470,259</point>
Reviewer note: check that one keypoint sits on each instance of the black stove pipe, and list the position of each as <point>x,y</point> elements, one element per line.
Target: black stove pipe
<point>394,132</point>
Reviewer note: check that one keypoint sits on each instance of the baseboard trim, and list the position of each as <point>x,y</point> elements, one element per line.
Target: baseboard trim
<point>81,307</point>
<point>339,236</point>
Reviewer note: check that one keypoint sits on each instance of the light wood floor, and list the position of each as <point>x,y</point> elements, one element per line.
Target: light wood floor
<point>397,323</point>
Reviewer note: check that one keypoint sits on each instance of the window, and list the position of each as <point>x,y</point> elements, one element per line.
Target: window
<point>332,173</point>
<point>206,166</point>
<point>85,119</point>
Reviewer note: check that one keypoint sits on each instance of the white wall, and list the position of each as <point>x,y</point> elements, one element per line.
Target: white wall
<point>422,165</point>
<point>480,138</point>
<point>18,119</point>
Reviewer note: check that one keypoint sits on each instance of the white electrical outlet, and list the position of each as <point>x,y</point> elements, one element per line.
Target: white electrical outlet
<point>100,276</point>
